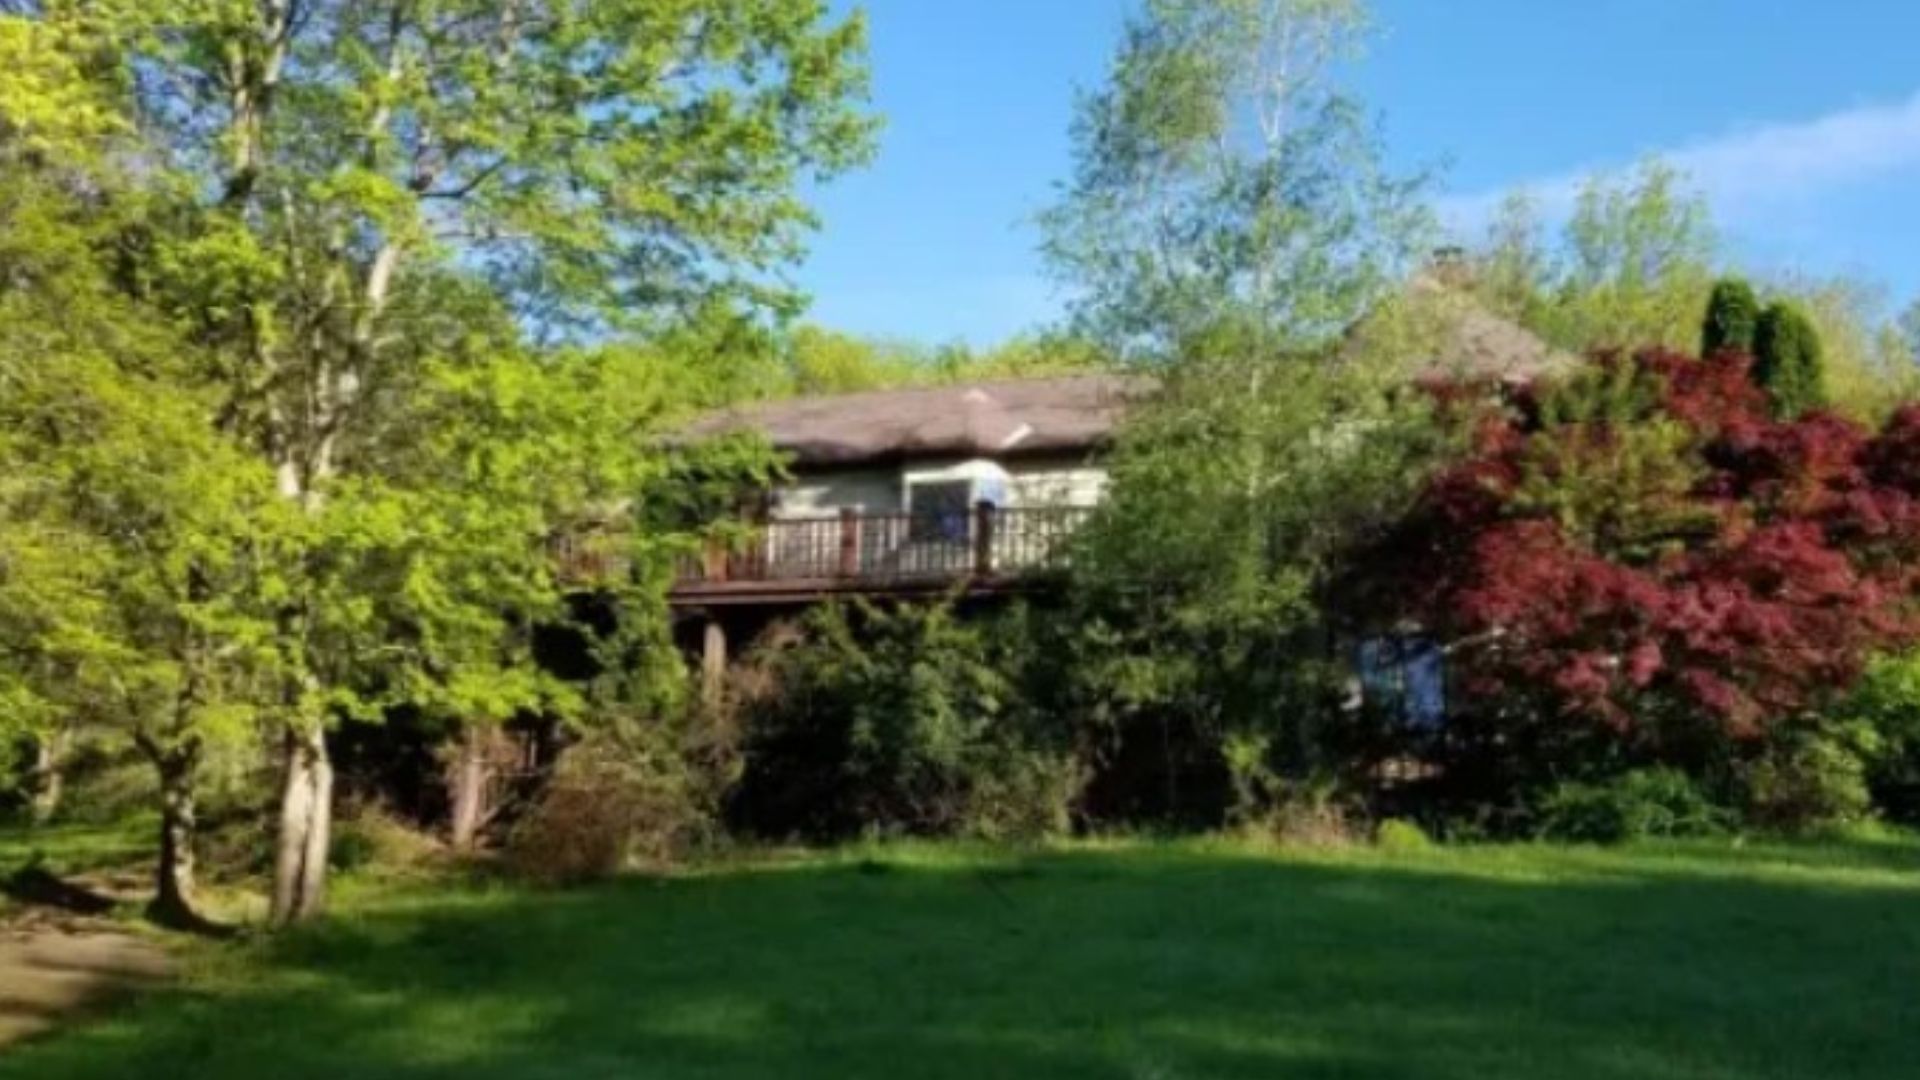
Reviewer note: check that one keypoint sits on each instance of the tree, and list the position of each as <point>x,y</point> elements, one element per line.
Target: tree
<point>1219,178</point>
<point>1632,266</point>
<point>135,543</point>
<point>1733,316</point>
<point>1513,270</point>
<point>1864,371</point>
<point>1228,224</point>
<point>1646,567</point>
<point>136,547</point>
<point>601,165</point>
<point>1788,361</point>
<point>1909,328</point>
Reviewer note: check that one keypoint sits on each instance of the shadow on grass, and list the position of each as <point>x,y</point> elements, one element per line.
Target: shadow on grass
<point>1129,963</point>
<point>35,886</point>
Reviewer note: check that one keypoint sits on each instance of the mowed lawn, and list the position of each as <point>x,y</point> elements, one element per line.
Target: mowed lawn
<point>1129,960</point>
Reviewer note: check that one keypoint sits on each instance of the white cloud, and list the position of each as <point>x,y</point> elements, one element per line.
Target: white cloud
<point>1747,172</point>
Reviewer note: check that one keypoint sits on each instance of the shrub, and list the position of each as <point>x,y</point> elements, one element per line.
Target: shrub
<point>368,836</point>
<point>1640,804</point>
<point>1733,315</point>
<point>905,719</point>
<point>1789,362</point>
<point>611,802</point>
<point>1399,834</point>
<point>1812,776</point>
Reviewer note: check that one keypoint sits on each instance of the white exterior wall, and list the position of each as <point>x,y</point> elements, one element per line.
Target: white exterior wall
<point>872,491</point>
<point>1031,482</point>
<point>1056,483</point>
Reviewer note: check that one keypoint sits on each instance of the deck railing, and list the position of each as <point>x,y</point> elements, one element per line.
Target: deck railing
<point>985,542</point>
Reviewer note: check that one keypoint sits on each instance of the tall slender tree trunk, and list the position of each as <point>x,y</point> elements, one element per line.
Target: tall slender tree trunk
<point>306,826</point>
<point>49,763</point>
<point>470,780</point>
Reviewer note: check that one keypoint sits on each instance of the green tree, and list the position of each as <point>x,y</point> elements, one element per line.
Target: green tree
<point>1513,271</point>
<point>136,545</point>
<point>1866,373</point>
<point>1908,326</point>
<point>1733,316</point>
<point>1228,222</point>
<point>609,165</point>
<point>1788,360</point>
<point>1221,178</point>
<point>1632,266</point>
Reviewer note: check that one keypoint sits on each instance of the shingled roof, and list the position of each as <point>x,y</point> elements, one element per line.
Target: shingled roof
<point>1000,418</point>
<point>1076,413</point>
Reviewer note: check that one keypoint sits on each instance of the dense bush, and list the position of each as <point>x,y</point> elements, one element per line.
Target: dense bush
<point>1789,361</point>
<point>606,806</point>
<point>369,836</point>
<point>1733,316</point>
<point>1639,804</point>
<point>907,719</point>
<point>1399,834</point>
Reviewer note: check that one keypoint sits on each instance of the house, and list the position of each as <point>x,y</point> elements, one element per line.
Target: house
<point>915,490</point>
<point>971,488</point>
<point>974,488</point>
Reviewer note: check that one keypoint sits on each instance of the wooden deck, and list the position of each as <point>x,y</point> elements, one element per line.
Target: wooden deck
<point>801,560</point>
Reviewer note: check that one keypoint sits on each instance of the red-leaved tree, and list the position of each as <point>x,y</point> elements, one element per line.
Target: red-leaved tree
<point>1641,561</point>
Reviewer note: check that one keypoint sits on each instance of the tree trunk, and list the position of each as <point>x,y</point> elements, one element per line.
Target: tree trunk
<point>50,752</point>
<point>470,778</point>
<point>306,824</point>
<point>173,896</point>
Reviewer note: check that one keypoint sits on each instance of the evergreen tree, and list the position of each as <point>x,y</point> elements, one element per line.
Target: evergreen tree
<point>1788,361</point>
<point>1733,316</point>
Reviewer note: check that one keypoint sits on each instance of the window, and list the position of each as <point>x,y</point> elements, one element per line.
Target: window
<point>938,510</point>
<point>1404,678</point>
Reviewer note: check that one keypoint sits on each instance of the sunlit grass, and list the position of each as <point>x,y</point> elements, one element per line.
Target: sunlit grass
<point>1211,957</point>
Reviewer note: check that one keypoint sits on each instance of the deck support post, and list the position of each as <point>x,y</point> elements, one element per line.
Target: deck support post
<point>983,525</point>
<point>713,662</point>
<point>849,564</point>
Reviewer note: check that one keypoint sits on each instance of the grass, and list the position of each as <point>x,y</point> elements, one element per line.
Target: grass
<point>71,849</point>
<point>1119,960</point>
<point>66,849</point>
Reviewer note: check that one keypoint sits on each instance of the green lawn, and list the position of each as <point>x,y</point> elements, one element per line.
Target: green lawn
<point>1139,961</point>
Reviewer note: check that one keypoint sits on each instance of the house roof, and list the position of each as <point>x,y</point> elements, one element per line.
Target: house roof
<point>979,419</point>
<point>1076,413</point>
<point>1474,342</point>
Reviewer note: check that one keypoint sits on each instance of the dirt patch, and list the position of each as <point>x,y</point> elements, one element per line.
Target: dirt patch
<point>54,966</point>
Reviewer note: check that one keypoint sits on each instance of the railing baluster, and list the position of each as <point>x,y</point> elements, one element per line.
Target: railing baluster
<point>880,547</point>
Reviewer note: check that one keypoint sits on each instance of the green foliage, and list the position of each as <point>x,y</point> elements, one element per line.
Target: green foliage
<point>1207,584</point>
<point>1636,805</point>
<point>1789,363</point>
<point>908,718</point>
<point>1866,372</point>
<point>1881,716</point>
<point>1813,774</point>
<point>1403,836</point>
<point>373,841</point>
<point>290,422</point>
<point>1733,317</point>
<point>1221,179</point>
<point>1631,268</point>
<point>1617,473</point>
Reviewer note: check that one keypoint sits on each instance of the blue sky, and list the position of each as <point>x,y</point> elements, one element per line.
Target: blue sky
<point>1800,121</point>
